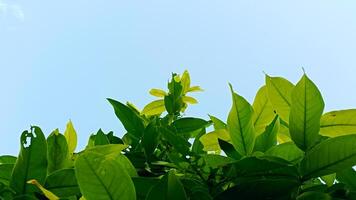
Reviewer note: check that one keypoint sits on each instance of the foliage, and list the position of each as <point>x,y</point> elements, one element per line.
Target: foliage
<point>281,146</point>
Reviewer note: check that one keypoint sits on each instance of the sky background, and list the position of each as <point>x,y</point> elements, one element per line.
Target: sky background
<point>60,60</point>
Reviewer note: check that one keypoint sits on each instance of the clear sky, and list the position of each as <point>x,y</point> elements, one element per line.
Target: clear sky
<point>59,60</point>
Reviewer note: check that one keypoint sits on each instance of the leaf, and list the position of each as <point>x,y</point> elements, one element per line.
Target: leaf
<point>71,136</point>
<point>268,138</point>
<point>190,100</point>
<point>210,140</point>
<point>306,110</point>
<point>240,125</point>
<point>178,142</point>
<point>150,139</point>
<point>63,183</point>
<point>311,195</point>
<point>215,161</point>
<point>6,165</point>
<point>262,178</point>
<point>288,151</point>
<point>143,185</point>
<point>337,123</point>
<point>158,92</point>
<point>185,81</point>
<point>5,173</point>
<point>57,152</point>
<point>102,178</point>
<point>330,156</point>
<point>329,179</point>
<point>132,123</point>
<point>168,188</point>
<point>218,124</point>
<point>154,108</point>
<point>229,149</point>
<point>264,112</point>
<point>109,149</point>
<point>189,124</point>
<point>279,93</point>
<point>348,177</point>
<point>31,162</point>
<point>100,138</point>
<point>195,89</point>
<point>46,192</point>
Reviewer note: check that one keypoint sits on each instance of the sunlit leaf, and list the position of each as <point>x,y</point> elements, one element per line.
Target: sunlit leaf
<point>71,136</point>
<point>240,125</point>
<point>154,108</point>
<point>306,109</point>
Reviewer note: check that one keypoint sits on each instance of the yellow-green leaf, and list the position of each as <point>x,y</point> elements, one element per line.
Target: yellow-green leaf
<point>337,123</point>
<point>46,192</point>
<point>71,136</point>
<point>158,92</point>
<point>240,124</point>
<point>190,100</point>
<point>280,95</point>
<point>210,140</point>
<point>185,81</point>
<point>154,108</point>
<point>306,109</point>
<point>264,112</point>
<point>195,89</point>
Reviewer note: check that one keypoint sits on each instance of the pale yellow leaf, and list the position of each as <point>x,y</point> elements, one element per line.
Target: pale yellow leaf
<point>210,140</point>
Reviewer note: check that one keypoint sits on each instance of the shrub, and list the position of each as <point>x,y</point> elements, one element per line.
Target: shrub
<point>280,147</point>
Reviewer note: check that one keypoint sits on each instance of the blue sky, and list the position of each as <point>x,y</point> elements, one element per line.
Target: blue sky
<point>59,60</point>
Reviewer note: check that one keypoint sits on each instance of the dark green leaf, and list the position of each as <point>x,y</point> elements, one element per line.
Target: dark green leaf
<point>268,138</point>
<point>62,183</point>
<point>58,153</point>
<point>31,162</point>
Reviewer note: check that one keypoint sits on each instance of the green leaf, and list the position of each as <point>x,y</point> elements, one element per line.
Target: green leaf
<point>143,185</point>
<point>71,136</point>
<point>215,161</point>
<point>150,139</point>
<point>330,156</point>
<point>264,112</point>
<point>103,178</point>
<point>279,93</point>
<point>189,124</point>
<point>218,124</point>
<point>178,142</point>
<point>337,123</point>
<point>262,178</point>
<point>210,140</point>
<point>154,108</point>
<point>240,125</point>
<point>306,110</point>
<point>57,152</point>
<point>31,162</point>
<point>229,149</point>
<point>168,188</point>
<point>288,151</point>
<point>6,165</point>
<point>132,123</point>
<point>314,195</point>
<point>329,179</point>
<point>268,138</point>
<point>348,177</point>
<point>63,183</point>
<point>101,138</point>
